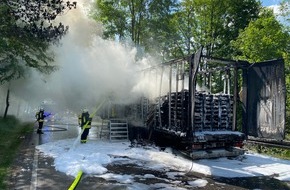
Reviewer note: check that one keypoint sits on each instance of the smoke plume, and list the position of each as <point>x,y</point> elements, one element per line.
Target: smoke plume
<point>90,69</point>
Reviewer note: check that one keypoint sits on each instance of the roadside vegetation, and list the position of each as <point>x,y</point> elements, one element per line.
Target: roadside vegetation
<point>282,153</point>
<point>274,151</point>
<point>11,131</point>
<point>271,151</point>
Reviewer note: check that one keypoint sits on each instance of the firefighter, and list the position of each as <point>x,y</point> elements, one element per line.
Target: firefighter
<point>40,118</point>
<point>85,121</point>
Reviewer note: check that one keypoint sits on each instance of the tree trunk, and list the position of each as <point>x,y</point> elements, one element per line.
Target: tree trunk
<point>7,103</point>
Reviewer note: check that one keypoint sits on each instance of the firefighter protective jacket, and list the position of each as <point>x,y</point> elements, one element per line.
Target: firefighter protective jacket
<point>85,118</point>
<point>40,116</point>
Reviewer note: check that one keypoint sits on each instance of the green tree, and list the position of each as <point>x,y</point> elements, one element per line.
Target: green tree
<point>213,23</point>
<point>114,17</point>
<point>176,29</point>
<point>122,19</point>
<point>184,23</point>
<point>160,33</point>
<point>26,31</point>
<point>266,39</point>
<point>144,22</point>
<point>285,11</point>
<point>263,39</point>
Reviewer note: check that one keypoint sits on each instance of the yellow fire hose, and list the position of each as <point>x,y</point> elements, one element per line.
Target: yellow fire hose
<point>76,181</point>
<point>80,173</point>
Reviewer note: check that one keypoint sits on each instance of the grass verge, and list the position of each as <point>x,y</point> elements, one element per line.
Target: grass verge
<point>11,131</point>
<point>282,153</point>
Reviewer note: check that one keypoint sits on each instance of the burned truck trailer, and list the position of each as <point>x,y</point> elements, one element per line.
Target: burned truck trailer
<point>198,113</point>
<point>196,116</point>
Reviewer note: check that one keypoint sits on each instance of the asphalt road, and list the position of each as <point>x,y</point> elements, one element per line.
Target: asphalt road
<point>31,170</point>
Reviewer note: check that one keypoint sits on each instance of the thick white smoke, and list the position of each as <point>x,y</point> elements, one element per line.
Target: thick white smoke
<point>91,69</point>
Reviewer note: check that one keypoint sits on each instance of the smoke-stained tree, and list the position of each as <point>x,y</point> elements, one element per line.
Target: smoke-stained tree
<point>26,31</point>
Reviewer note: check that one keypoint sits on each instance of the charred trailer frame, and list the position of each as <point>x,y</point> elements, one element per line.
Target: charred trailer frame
<point>196,121</point>
<point>204,124</point>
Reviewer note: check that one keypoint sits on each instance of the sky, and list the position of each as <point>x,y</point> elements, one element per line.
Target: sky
<point>270,2</point>
<point>273,4</point>
<point>93,157</point>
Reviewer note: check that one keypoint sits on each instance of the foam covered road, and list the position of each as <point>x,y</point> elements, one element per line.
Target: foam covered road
<point>34,171</point>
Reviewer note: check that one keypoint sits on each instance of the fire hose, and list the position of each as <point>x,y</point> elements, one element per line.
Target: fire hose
<point>76,181</point>
<point>80,173</point>
<point>87,123</point>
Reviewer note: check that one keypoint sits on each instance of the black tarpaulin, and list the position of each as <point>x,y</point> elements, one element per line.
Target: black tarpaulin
<point>266,100</point>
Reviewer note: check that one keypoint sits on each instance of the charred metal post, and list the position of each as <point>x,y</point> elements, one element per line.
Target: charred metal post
<point>7,103</point>
<point>243,97</point>
<point>235,97</point>
<point>181,77</point>
<point>209,81</point>
<point>169,96</point>
<point>159,98</point>
<point>225,84</point>
<point>194,65</point>
<point>229,81</point>
<point>176,94</point>
<point>190,89</point>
